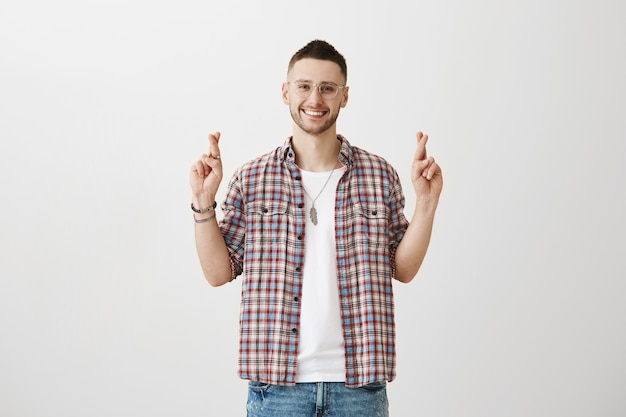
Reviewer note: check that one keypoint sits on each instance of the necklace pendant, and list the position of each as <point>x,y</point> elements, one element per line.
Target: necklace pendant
<point>313,215</point>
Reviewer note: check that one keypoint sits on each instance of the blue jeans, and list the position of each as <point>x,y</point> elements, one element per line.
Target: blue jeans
<point>317,399</point>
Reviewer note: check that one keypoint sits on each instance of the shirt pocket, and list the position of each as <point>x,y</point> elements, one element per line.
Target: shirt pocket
<point>267,222</point>
<point>371,219</point>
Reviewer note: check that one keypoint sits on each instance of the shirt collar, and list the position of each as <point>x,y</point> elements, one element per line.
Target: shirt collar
<point>346,153</point>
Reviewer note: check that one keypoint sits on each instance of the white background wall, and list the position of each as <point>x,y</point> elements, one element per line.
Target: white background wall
<point>519,307</point>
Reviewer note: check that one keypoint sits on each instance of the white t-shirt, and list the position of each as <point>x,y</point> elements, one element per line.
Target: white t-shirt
<point>321,355</point>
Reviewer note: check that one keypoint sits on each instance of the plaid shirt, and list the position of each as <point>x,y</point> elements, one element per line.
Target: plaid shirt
<point>264,226</point>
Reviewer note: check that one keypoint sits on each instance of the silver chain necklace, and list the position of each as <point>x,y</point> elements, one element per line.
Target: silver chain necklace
<point>313,211</point>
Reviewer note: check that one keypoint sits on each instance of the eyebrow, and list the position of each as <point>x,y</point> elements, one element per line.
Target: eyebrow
<point>310,81</point>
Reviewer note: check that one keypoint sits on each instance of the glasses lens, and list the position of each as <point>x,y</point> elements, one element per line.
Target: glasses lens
<point>328,90</point>
<point>303,89</point>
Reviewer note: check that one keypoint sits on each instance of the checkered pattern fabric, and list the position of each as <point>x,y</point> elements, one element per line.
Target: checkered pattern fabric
<point>264,227</point>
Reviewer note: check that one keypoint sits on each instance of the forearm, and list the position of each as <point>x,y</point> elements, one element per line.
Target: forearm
<point>211,248</point>
<point>413,247</point>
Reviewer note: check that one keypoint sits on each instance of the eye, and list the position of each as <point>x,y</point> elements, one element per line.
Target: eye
<point>304,86</point>
<point>328,88</point>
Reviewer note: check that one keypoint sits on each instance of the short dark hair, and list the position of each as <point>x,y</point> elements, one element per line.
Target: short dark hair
<point>319,49</point>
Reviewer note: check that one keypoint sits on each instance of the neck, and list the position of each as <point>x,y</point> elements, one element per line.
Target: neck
<point>317,153</point>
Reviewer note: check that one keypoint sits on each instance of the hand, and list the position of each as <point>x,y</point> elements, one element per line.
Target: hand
<point>425,173</point>
<point>206,173</point>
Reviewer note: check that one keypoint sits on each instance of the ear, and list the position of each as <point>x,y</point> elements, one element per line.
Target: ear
<point>285,93</point>
<point>344,100</point>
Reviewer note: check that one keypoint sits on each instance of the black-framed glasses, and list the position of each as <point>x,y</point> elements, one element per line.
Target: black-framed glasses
<point>326,90</point>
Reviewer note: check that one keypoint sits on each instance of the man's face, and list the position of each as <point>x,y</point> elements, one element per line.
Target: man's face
<point>314,114</point>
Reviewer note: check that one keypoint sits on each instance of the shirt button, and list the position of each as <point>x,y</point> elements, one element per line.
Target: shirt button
<point>374,212</point>
<point>264,210</point>
<point>298,269</point>
<point>295,299</point>
<point>293,330</point>
<point>300,205</point>
<point>300,237</point>
<point>298,177</point>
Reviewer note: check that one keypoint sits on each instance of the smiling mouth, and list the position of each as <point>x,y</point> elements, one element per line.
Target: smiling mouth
<point>314,113</point>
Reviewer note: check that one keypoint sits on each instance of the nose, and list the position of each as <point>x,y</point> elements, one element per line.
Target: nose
<point>316,95</point>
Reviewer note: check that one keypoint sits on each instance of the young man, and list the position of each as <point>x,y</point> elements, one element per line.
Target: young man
<point>317,228</point>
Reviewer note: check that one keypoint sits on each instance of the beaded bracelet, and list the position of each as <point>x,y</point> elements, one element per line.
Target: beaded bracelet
<point>208,219</point>
<point>206,210</point>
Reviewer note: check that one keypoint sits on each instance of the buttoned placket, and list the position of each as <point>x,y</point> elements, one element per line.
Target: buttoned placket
<point>300,222</point>
<point>343,194</point>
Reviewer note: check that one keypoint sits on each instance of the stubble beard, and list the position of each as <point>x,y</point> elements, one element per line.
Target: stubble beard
<point>295,115</point>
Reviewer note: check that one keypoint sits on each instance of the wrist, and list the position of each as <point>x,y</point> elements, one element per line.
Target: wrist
<point>204,218</point>
<point>202,201</point>
<point>426,206</point>
<point>202,210</point>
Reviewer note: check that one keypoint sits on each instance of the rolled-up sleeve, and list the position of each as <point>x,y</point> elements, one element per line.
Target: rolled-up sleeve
<point>233,225</point>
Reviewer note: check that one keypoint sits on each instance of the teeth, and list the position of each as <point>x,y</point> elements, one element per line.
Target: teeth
<point>314,113</point>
